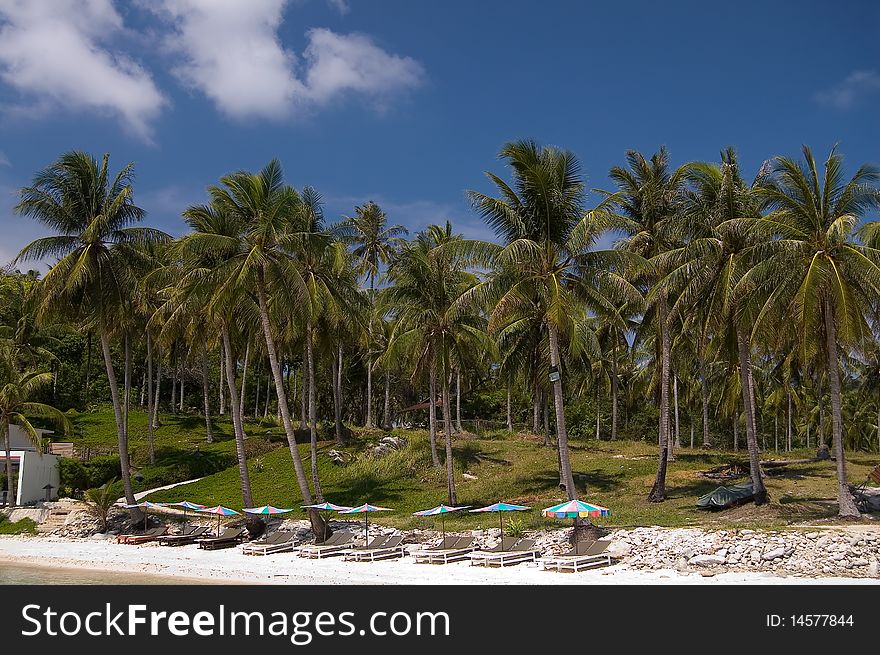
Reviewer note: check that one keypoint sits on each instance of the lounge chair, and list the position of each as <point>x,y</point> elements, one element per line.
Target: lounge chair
<point>275,543</point>
<point>522,550</point>
<point>451,550</point>
<point>230,537</point>
<point>582,556</point>
<point>389,548</point>
<point>149,535</point>
<point>335,544</point>
<point>188,536</point>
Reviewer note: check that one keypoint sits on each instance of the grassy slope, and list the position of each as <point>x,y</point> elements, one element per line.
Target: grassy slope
<point>519,469</point>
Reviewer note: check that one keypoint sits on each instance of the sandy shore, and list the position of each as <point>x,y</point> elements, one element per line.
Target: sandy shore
<point>230,565</point>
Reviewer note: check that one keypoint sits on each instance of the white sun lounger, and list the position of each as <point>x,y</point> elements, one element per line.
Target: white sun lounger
<point>581,557</point>
<point>452,549</point>
<point>336,544</point>
<point>275,543</point>
<point>387,549</point>
<point>522,550</point>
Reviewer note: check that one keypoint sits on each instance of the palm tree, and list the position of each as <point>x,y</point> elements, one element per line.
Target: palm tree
<point>546,255</point>
<point>649,200</point>
<point>427,281</point>
<point>17,389</point>
<point>375,243</point>
<point>811,270</point>
<point>708,268</point>
<point>92,215</point>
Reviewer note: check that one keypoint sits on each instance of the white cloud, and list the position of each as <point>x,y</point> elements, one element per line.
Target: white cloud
<point>339,63</point>
<point>340,5</point>
<point>846,93</point>
<point>4,160</point>
<point>55,53</point>
<point>232,53</point>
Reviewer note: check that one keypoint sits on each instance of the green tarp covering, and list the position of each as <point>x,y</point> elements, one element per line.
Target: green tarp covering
<point>724,497</point>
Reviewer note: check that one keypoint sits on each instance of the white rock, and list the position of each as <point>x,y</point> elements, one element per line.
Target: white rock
<point>706,560</point>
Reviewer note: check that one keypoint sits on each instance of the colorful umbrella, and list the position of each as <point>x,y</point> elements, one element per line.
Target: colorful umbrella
<point>144,505</point>
<point>266,510</point>
<point>365,509</point>
<point>501,507</point>
<point>573,509</point>
<point>442,511</point>
<point>186,505</point>
<point>326,507</point>
<point>219,510</point>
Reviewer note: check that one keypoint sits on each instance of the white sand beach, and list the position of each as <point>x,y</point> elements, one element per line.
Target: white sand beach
<point>230,565</point>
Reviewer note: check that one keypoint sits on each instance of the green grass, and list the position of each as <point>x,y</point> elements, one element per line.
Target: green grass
<point>514,468</point>
<point>23,526</point>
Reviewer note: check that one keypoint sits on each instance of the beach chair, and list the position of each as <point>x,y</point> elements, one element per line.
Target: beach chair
<point>505,544</point>
<point>276,542</point>
<point>451,550</point>
<point>390,548</point>
<point>584,555</point>
<point>188,536</point>
<point>144,537</point>
<point>336,544</point>
<point>522,550</point>
<point>230,537</point>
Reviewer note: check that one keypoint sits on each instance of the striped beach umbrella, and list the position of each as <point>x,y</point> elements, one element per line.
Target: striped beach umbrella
<point>501,507</point>
<point>219,510</point>
<point>266,510</point>
<point>326,507</point>
<point>365,509</point>
<point>573,509</point>
<point>441,511</point>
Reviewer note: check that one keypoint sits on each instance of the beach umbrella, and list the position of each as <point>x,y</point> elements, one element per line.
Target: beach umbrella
<point>365,509</point>
<point>266,510</point>
<point>326,507</point>
<point>144,505</point>
<point>219,510</point>
<point>575,509</point>
<point>441,511</point>
<point>186,505</point>
<point>501,507</point>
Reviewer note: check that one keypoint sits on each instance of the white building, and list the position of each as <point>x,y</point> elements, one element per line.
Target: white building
<point>32,469</point>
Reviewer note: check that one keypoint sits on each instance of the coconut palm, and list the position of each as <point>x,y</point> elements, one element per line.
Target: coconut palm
<point>812,270</point>
<point>546,254</point>
<point>17,390</point>
<point>374,244</point>
<point>649,201</point>
<point>96,245</point>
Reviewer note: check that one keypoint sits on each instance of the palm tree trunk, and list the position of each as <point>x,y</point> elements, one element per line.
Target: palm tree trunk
<point>122,437</point>
<point>692,432</point>
<point>237,426</point>
<point>536,410</point>
<point>561,432</point>
<point>10,484</point>
<point>317,521</point>
<point>257,393</point>
<point>788,422</point>
<point>337,401</point>
<point>614,390</point>
<point>88,366</point>
<point>386,414</point>
<point>658,491</point>
<point>126,384</point>
<point>180,369</point>
<point>304,395</point>
<point>848,507</point>
<point>244,372</point>
<point>736,430</point>
<point>222,405</point>
<point>206,389</point>
<point>150,435</point>
<point>143,387</point>
<point>746,383</point>
<point>269,396</point>
<point>597,410</point>
<point>704,391</point>
<point>776,433</point>
<point>173,365</point>
<point>369,417</point>
<point>458,402</point>
<point>313,419</point>
<point>339,389</point>
<point>432,411</point>
<point>675,399</point>
<point>447,433</point>
<point>155,418</point>
<point>509,411</point>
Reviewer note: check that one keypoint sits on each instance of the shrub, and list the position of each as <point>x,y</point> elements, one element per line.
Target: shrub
<point>24,526</point>
<point>73,476</point>
<point>102,470</point>
<point>101,500</point>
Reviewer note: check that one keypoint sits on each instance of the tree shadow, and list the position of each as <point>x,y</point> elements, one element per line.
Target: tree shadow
<point>585,481</point>
<point>366,488</point>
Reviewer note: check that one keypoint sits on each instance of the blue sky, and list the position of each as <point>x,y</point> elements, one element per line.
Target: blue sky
<point>408,102</point>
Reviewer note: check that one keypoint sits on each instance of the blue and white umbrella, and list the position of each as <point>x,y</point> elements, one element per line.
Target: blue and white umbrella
<point>502,507</point>
<point>441,511</point>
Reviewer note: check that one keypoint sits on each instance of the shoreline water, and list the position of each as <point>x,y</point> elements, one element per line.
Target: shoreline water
<point>190,565</point>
